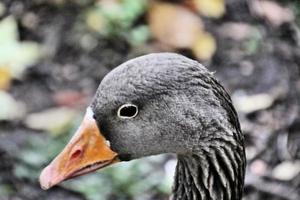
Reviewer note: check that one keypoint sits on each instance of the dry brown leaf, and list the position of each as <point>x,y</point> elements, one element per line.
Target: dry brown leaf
<point>273,12</point>
<point>190,4</point>
<point>205,46</point>
<point>5,78</point>
<point>174,25</point>
<point>210,8</point>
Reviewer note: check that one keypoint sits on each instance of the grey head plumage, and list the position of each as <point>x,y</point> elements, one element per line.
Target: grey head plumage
<point>182,109</point>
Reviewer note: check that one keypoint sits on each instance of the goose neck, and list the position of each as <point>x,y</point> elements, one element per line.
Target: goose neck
<point>213,174</point>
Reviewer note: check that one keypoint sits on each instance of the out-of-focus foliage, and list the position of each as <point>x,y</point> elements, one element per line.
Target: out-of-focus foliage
<point>295,7</point>
<point>5,78</point>
<point>255,60</point>
<point>251,103</point>
<point>115,18</point>
<point>10,109</point>
<point>2,9</point>
<point>15,55</point>
<point>273,12</point>
<point>178,27</point>
<point>133,180</point>
<point>252,43</point>
<point>165,21</point>
<point>37,152</point>
<point>210,8</point>
<point>55,120</point>
<point>172,25</point>
<point>204,46</point>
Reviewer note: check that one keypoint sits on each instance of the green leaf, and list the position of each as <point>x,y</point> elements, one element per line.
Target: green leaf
<point>139,35</point>
<point>14,54</point>
<point>8,31</point>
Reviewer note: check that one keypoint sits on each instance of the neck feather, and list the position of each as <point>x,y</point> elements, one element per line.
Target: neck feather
<point>216,173</point>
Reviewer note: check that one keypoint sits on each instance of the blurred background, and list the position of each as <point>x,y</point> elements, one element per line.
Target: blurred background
<point>54,53</point>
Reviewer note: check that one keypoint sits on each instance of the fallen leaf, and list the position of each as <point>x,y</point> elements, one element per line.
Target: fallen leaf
<point>272,11</point>
<point>54,120</point>
<point>10,109</point>
<point>174,25</point>
<point>190,4</point>
<point>8,30</point>
<point>286,171</point>
<point>5,78</point>
<point>252,103</point>
<point>205,46</point>
<point>210,8</point>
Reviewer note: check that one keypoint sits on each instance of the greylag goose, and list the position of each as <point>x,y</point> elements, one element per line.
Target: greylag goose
<point>154,104</point>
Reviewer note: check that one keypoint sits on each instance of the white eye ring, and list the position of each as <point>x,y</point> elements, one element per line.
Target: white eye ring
<point>125,111</point>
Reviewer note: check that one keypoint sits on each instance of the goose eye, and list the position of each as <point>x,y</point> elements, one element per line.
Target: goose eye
<point>127,111</point>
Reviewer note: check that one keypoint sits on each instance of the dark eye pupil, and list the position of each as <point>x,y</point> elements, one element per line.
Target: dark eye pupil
<point>128,111</point>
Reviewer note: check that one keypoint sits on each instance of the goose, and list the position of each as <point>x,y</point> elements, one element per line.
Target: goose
<point>154,104</point>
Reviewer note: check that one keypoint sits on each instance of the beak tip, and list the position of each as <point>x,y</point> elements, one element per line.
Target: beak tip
<point>44,187</point>
<point>45,178</point>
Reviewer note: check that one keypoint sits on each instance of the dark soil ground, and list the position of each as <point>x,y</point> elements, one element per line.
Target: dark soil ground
<point>272,134</point>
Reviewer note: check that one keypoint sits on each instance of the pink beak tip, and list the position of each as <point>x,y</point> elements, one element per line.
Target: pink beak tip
<point>46,177</point>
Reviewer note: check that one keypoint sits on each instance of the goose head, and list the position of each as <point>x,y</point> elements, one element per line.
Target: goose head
<point>154,104</point>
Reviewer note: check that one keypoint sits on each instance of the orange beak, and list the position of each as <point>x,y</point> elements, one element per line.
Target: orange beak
<point>86,152</point>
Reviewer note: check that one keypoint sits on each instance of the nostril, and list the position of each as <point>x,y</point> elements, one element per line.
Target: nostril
<point>76,154</point>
